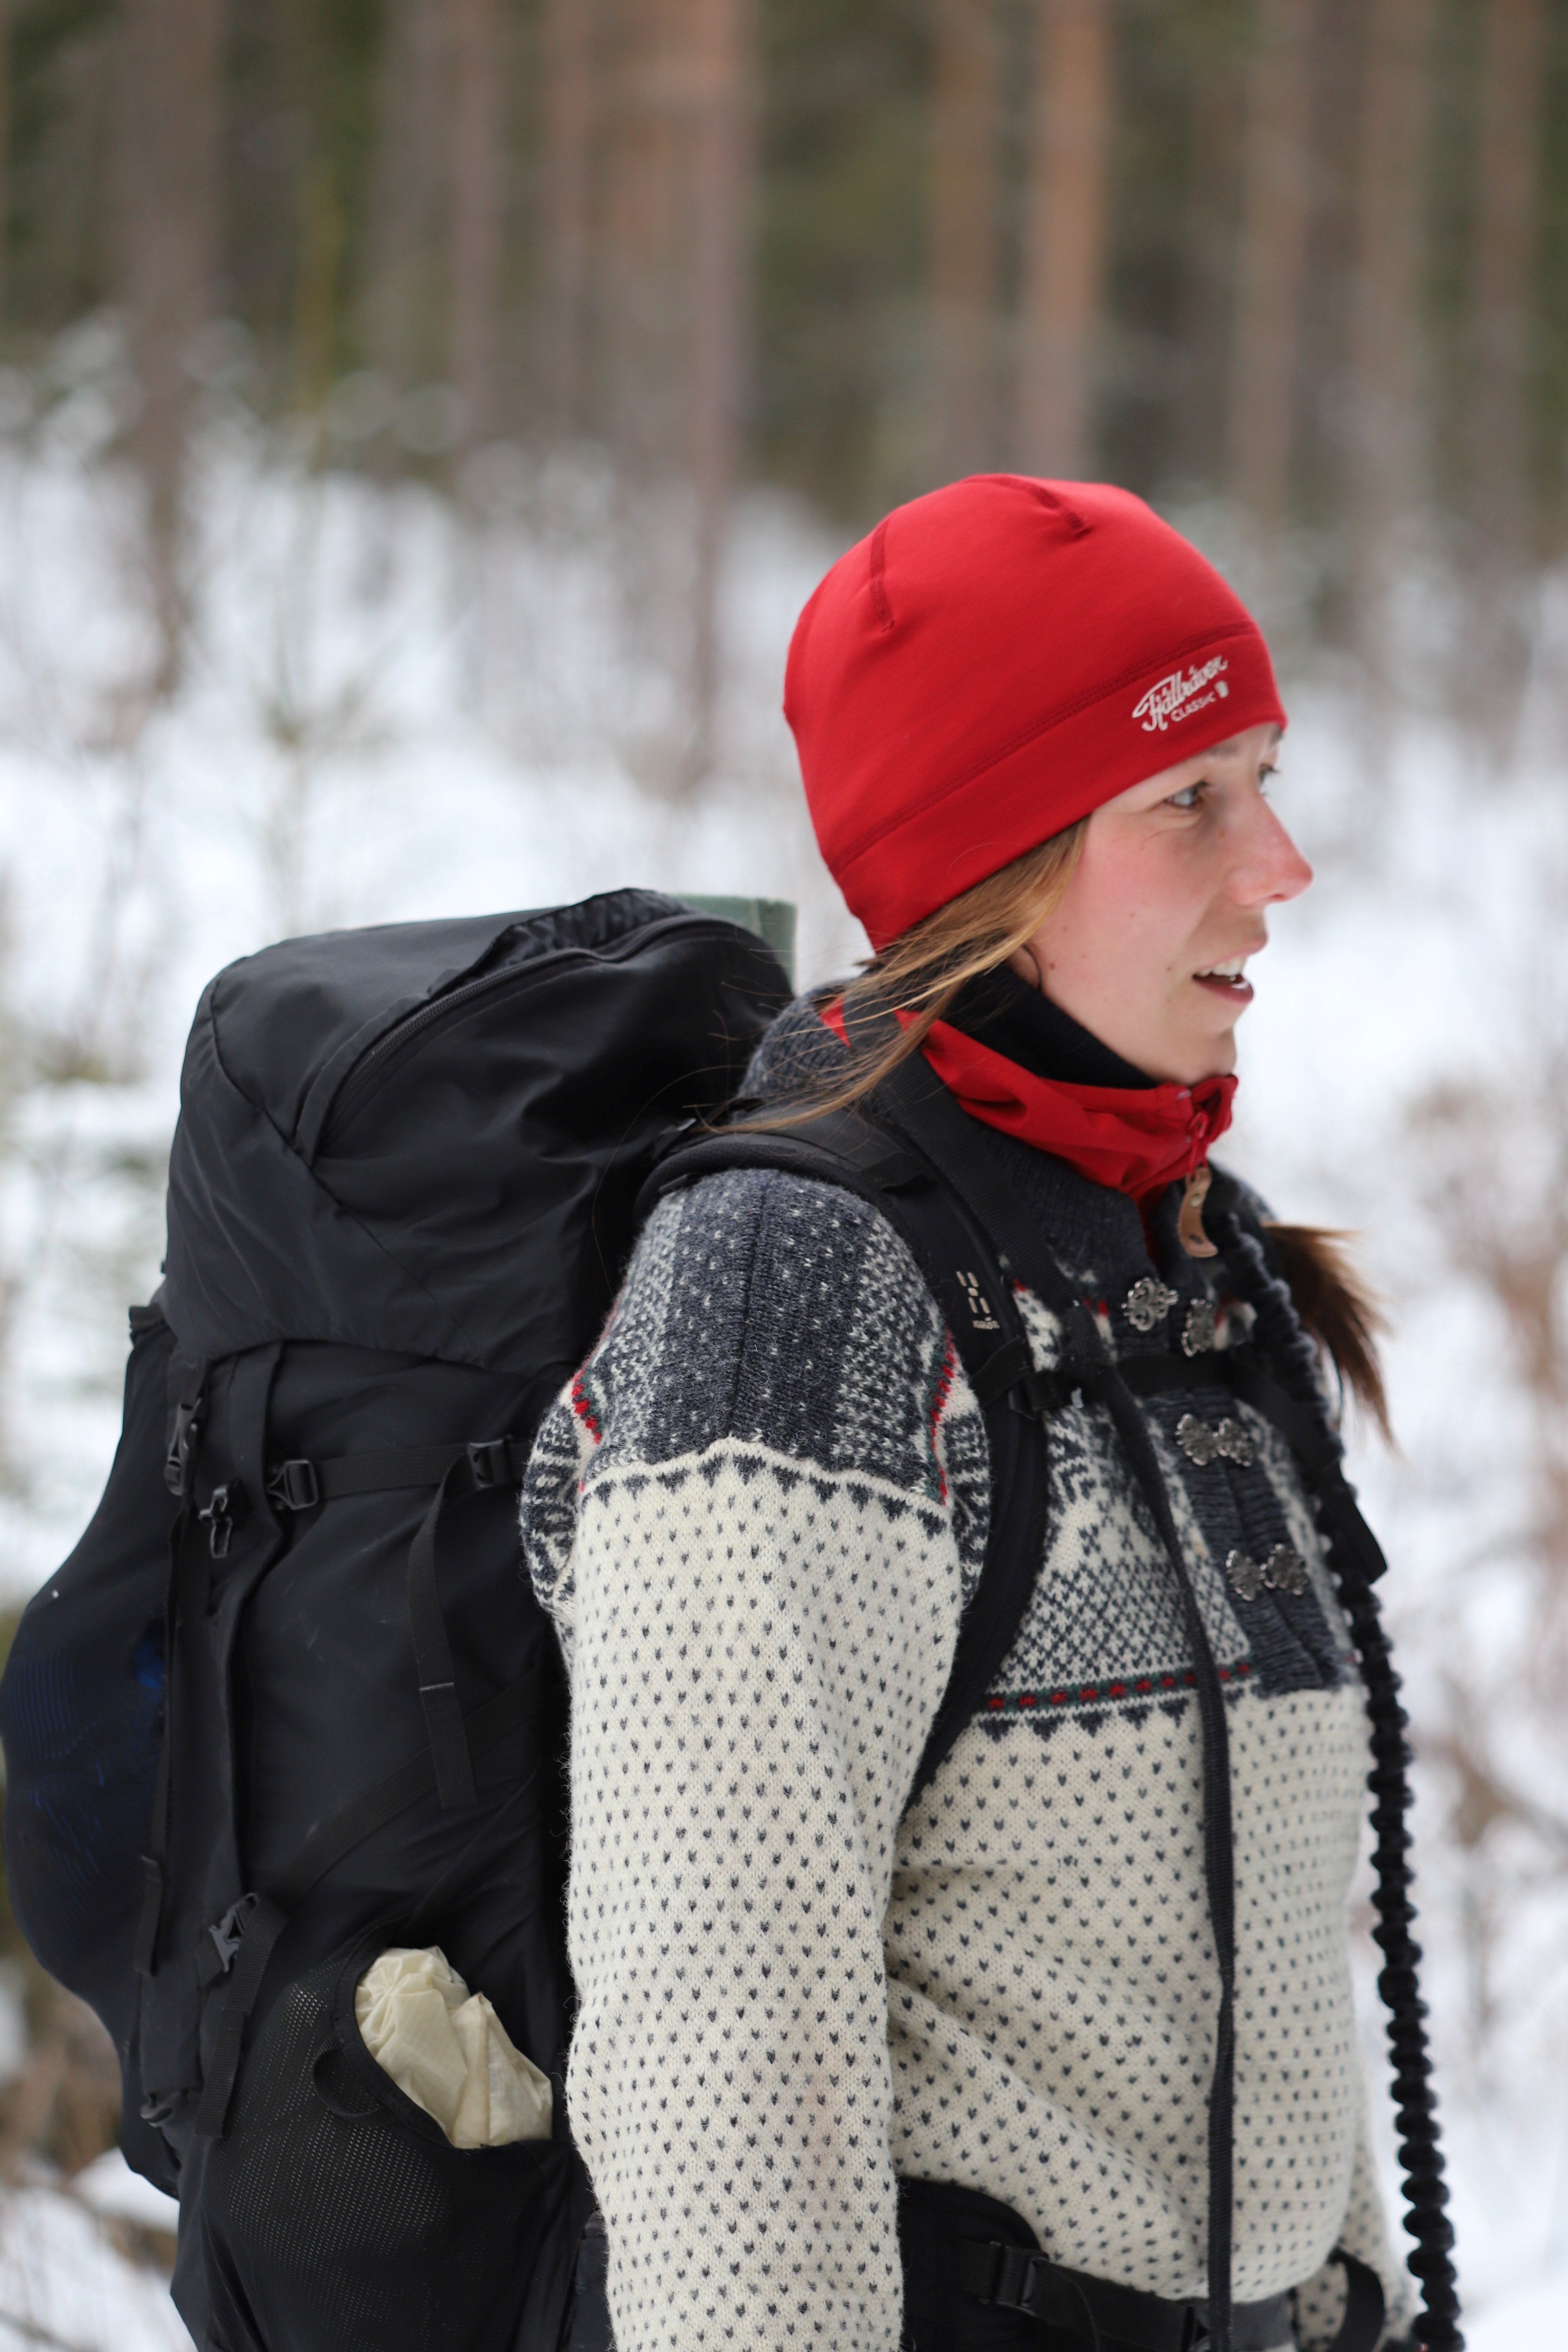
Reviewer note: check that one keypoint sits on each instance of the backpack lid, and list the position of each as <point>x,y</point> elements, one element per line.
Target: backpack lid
<point>427,1137</point>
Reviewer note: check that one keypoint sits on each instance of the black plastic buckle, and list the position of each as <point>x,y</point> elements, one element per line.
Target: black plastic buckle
<point>1012,2280</point>
<point>293,1486</point>
<point>229,1931</point>
<point>182,1446</point>
<point>222,1515</point>
<point>1036,1396</point>
<point>489,1460</point>
<point>1039,1395</point>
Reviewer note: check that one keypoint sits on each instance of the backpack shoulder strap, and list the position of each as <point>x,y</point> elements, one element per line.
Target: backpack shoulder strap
<point>966,1277</point>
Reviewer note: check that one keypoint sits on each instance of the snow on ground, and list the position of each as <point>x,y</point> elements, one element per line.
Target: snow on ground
<point>389,715</point>
<point>1529,2319</point>
<point>65,2286</point>
<point>108,2186</point>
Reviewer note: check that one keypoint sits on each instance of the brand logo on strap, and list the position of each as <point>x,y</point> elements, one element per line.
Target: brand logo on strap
<point>1178,696</point>
<point>979,1306</point>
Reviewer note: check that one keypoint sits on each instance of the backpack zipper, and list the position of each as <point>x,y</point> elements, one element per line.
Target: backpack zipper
<point>440,1006</point>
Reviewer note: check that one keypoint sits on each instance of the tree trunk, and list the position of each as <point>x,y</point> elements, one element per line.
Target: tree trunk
<point>722,165</point>
<point>1383,481</point>
<point>571,27</point>
<point>1507,172</point>
<point>963,236</point>
<point>1208,255</point>
<point>1065,233</point>
<point>1508,177</point>
<point>1266,333</point>
<point>478,204</point>
<point>169,87</point>
<point>645,290</point>
<point>7,14</point>
<point>404,313</point>
<point>679,239</point>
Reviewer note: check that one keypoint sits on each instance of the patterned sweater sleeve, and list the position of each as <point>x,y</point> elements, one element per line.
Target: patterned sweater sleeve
<point>755,1517</point>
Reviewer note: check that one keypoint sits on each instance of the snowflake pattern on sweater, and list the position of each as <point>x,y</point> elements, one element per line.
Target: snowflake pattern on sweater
<point>756,1517</point>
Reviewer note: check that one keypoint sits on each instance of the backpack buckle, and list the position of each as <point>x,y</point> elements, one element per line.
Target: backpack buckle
<point>222,1515</point>
<point>489,1460</point>
<point>182,1446</point>
<point>293,1486</point>
<point>1013,2278</point>
<point>228,1932</point>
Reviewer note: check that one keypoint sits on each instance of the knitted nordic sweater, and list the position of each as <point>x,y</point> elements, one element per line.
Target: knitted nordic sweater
<point>756,1517</point>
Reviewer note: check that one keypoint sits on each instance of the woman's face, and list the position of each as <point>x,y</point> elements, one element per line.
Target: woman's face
<point>1148,947</point>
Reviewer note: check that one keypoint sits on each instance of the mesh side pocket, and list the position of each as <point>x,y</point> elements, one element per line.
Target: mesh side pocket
<point>336,2217</point>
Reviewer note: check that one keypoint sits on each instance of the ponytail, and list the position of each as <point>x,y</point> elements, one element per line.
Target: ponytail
<point>1337,1309</point>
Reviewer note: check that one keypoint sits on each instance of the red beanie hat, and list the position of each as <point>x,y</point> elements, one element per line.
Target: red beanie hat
<point>994,662</point>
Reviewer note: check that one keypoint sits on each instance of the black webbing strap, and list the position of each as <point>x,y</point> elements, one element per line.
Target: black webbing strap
<point>155,1861</point>
<point>864,1158</point>
<point>1002,1374</point>
<point>1366,2307</point>
<point>300,1484</point>
<point>1219,1852</point>
<point>977,1299</point>
<point>1007,2277</point>
<point>433,1656</point>
<point>265,1923</point>
<point>1010,2277</point>
<point>923,1109</point>
<point>954,1254</point>
<point>1073,1377</point>
<point>183,1536</point>
<point>260,1919</point>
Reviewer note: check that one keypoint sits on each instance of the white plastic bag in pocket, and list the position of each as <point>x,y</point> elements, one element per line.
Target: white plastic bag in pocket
<point>448,2051</point>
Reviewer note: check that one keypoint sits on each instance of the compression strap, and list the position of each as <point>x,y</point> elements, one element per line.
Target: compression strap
<point>300,1484</point>
<point>250,1930</point>
<point>471,1468</point>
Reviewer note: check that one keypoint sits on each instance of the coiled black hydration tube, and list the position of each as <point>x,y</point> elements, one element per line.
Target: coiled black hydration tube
<point>1353,1558</point>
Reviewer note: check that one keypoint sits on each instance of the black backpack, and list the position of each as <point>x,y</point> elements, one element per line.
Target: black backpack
<point>289,1700</point>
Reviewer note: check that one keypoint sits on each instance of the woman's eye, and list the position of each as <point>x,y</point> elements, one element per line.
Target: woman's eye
<point>1188,797</point>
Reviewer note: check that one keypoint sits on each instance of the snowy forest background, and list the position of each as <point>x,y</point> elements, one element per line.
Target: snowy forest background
<point>420,422</point>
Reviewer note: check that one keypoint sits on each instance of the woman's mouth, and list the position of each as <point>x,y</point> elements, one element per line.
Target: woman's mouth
<point>1228,980</point>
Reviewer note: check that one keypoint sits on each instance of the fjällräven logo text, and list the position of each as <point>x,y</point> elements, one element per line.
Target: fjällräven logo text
<point>1173,698</point>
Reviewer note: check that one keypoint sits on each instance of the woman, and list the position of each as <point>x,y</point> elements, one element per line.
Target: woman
<point>1036,730</point>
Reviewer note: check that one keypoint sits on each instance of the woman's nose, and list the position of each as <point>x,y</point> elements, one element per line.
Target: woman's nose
<point>1269,867</point>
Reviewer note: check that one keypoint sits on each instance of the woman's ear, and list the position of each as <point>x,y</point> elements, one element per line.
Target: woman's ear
<point>1026,964</point>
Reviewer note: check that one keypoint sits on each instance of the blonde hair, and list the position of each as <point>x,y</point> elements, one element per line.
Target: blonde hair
<point>921,973</point>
